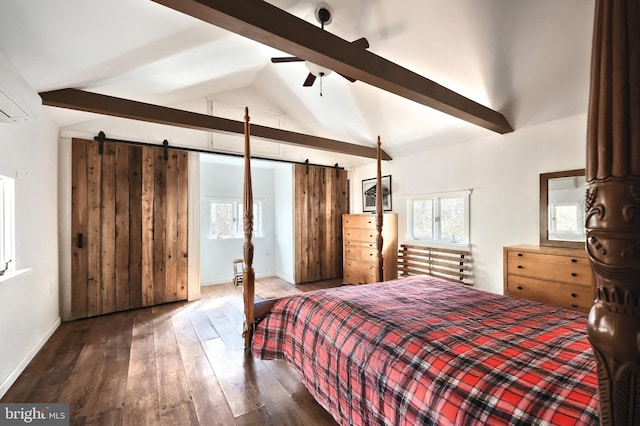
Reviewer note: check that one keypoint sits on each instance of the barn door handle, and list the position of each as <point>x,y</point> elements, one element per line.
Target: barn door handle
<point>80,240</point>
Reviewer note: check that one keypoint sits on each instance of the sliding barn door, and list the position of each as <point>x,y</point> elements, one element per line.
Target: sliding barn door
<point>129,227</point>
<point>320,201</point>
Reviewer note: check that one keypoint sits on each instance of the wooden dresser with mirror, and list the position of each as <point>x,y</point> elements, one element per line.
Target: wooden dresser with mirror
<point>557,271</point>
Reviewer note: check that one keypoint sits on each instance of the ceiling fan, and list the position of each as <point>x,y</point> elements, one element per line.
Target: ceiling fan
<point>323,15</point>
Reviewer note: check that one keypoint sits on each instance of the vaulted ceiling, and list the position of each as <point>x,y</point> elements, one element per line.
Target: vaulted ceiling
<point>527,59</point>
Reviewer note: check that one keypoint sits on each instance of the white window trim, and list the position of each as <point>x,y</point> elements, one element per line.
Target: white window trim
<point>7,222</point>
<point>239,220</point>
<point>466,194</point>
<point>579,235</point>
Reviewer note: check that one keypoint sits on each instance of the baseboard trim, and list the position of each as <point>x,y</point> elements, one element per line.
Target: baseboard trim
<point>13,376</point>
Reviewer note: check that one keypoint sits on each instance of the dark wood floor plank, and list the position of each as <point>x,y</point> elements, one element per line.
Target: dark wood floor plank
<point>47,373</point>
<point>283,408</point>
<point>175,401</point>
<point>258,417</point>
<point>236,382</point>
<point>155,366</point>
<point>111,417</point>
<point>141,405</point>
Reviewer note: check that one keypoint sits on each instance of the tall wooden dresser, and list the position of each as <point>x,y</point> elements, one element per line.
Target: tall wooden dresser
<point>360,252</point>
<point>553,275</point>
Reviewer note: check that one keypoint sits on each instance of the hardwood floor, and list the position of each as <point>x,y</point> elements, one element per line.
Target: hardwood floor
<point>177,364</point>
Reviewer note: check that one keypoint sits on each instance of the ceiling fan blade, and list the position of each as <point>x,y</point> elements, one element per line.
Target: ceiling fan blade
<point>286,59</point>
<point>309,81</point>
<point>348,78</point>
<point>361,42</point>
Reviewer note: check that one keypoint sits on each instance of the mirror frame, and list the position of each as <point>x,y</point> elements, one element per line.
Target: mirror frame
<point>544,207</point>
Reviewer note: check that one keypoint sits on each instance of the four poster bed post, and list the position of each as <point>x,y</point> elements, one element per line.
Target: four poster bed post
<point>255,310</point>
<point>248,275</point>
<point>379,218</point>
<point>612,204</point>
<point>613,208</point>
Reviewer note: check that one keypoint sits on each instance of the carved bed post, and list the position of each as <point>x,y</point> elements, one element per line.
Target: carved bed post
<point>613,207</point>
<point>248,275</point>
<point>379,217</point>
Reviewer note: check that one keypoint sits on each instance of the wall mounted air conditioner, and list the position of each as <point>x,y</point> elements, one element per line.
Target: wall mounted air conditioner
<point>18,101</point>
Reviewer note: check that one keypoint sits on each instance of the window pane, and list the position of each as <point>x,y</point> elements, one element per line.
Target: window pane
<point>222,224</point>
<point>566,219</point>
<point>452,219</point>
<point>422,217</point>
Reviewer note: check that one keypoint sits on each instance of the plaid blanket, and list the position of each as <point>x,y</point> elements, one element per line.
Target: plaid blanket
<point>424,351</point>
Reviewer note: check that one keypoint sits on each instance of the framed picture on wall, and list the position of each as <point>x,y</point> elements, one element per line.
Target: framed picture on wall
<point>369,194</point>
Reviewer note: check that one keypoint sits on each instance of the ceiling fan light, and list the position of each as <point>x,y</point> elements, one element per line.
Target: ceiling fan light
<point>317,70</point>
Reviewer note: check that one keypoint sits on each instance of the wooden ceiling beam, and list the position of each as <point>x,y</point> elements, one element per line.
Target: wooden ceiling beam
<point>269,25</point>
<point>118,107</point>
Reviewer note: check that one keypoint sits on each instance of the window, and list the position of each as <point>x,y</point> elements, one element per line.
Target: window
<point>7,224</point>
<point>226,219</point>
<point>566,221</point>
<point>440,217</point>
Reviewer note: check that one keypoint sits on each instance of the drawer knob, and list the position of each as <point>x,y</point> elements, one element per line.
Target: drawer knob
<point>520,267</point>
<point>519,287</point>
<point>574,295</point>
<point>520,254</point>
<point>574,260</point>
<point>573,274</point>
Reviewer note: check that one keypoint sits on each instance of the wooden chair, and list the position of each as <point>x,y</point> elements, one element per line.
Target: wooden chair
<point>238,269</point>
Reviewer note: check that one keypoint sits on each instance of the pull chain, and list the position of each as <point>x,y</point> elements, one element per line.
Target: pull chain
<point>321,74</point>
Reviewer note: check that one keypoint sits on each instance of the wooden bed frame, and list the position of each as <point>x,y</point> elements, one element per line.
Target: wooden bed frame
<point>612,205</point>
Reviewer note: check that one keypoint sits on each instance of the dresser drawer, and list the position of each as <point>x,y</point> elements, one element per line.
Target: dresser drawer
<point>568,296</point>
<point>550,267</point>
<point>360,234</point>
<point>358,272</point>
<point>359,221</point>
<point>558,259</point>
<point>362,252</point>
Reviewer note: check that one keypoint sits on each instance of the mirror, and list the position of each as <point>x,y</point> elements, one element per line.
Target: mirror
<point>562,219</point>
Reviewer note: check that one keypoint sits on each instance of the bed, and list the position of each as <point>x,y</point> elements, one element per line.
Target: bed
<point>422,350</point>
<point>526,372</point>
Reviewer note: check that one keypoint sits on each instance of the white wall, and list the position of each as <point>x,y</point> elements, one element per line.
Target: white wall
<point>503,172</point>
<point>216,255</point>
<point>29,309</point>
<point>284,222</point>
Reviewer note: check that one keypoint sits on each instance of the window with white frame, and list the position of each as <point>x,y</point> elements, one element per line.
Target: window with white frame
<point>441,217</point>
<point>226,219</point>
<point>565,221</point>
<point>7,224</point>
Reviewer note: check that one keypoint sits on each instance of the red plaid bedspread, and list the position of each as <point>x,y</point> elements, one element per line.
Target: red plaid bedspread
<point>423,351</point>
